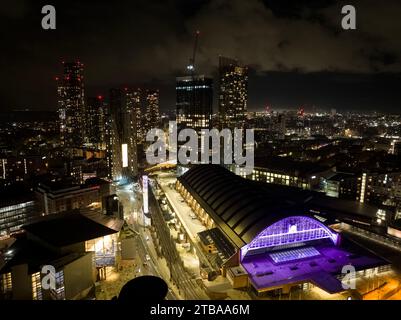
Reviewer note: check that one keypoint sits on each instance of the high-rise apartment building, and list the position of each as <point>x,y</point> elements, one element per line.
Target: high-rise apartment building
<point>233,93</point>
<point>135,105</point>
<point>121,145</point>
<point>95,121</point>
<point>71,104</point>
<point>152,109</point>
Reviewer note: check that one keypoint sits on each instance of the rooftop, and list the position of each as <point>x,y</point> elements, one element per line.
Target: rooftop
<point>67,185</point>
<point>340,176</point>
<point>242,208</point>
<point>15,194</point>
<point>287,165</point>
<point>320,269</point>
<point>35,255</point>
<point>74,226</point>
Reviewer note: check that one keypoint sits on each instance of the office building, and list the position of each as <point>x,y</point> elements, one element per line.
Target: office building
<point>17,206</point>
<point>56,197</point>
<point>194,108</point>
<point>21,168</point>
<point>287,172</point>
<point>194,102</point>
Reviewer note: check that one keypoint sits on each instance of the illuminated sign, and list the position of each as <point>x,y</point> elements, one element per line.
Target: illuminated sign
<point>293,229</point>
<point>145,194</point>
<point>124,148</point>
<point>394,232</point>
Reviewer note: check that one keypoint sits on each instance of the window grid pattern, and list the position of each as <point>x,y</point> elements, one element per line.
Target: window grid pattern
<point>36,286</point>
<point>296,254</point>
<point>59,293</point>
<point>6,285</point>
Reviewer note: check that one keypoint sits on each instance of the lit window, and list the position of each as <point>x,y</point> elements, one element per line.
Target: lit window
<point>36,287</point>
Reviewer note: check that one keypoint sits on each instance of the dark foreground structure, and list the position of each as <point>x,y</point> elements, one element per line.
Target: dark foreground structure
<point>149,288</point>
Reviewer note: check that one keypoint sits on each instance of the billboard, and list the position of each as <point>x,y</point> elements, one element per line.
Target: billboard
<point>124,149</point>
<point>145,194</point>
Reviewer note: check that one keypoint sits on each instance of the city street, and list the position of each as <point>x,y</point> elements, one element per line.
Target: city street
<point>145,261</point>
<point>147,256</point>
<point>161,259</point>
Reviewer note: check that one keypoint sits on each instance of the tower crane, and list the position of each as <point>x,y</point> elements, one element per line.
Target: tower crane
<point>191,66</point>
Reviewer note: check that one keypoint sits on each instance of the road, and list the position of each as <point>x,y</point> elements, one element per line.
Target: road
<point>144,246</point>
<point>165,261</point>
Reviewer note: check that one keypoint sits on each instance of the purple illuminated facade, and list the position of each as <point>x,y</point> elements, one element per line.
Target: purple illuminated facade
<point>290,251</point>
<point>287,232</point>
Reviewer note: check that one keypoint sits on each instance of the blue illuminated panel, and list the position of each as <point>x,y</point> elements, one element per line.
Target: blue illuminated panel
<point>295,254</point>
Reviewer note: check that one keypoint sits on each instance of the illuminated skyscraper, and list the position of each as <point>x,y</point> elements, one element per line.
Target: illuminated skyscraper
<point>152,109</point>
<point>194,102</point>
<point>135,104</point>
<point>95,122</point>
<point>194,107</point>
<point>233,93</point>
<point>121,145</point>
<point>71,104</point>
<point>282,124</point>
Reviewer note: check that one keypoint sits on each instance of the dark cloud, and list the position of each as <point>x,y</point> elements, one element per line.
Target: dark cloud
<point>126,42</point>
<point>255,34</point>
<point>14,9</point>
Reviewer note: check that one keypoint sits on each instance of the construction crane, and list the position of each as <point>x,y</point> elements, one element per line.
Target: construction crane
<point>191,66</point>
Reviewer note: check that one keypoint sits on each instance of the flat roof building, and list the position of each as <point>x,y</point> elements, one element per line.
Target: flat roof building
<point>55,197</point>
<point>65,242</point>
<point>287,172</point>
<point>17,206</point>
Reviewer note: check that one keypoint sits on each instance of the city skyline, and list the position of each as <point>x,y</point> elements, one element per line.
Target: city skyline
<point>202,150</point>
<point>297,54</point>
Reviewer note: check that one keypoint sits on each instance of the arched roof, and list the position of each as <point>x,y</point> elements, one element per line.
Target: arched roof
<point>240,207</point>
<point>291,230</point>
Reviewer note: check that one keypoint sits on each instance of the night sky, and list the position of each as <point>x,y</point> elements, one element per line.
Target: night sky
<point>297,51</point>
